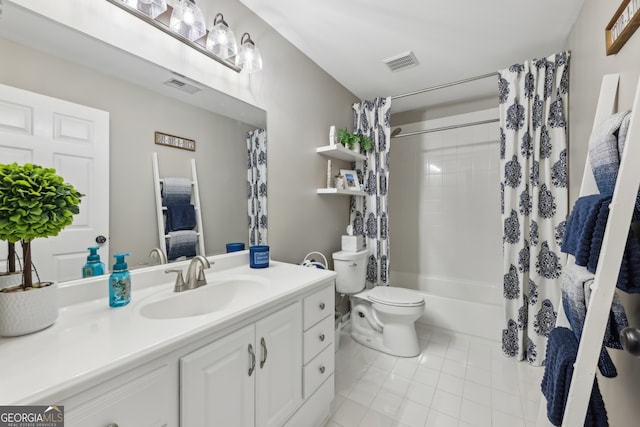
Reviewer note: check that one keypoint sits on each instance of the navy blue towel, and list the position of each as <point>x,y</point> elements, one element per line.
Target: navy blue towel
<point>180,216</point>
<point>580,225</point>
<point>583,238</point>
<point>562,348</point>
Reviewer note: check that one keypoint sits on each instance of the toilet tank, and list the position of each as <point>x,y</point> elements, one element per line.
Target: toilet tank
<point>351,269</point>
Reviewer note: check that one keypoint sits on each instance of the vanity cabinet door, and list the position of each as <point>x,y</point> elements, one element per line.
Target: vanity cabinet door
<point>279,366</point>
<point>144,397</point>
<point>217,382</point>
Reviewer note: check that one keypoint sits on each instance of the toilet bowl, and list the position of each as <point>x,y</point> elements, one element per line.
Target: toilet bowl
<point>382,318</point>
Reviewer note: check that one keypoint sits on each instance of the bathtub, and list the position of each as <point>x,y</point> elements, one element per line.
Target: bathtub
<point>472,308</point>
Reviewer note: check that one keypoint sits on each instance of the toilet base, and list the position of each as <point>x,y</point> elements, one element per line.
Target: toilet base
<point>406,346</point>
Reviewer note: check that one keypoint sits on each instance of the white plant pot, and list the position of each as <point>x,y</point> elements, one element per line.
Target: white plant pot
<point>8,280</point>
<point>29,311</point>
<point>356,147</point>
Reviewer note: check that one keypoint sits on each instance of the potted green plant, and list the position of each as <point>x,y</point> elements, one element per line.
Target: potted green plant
<point>355,141</point>
<point>35,202</point>
<point>345,138</point>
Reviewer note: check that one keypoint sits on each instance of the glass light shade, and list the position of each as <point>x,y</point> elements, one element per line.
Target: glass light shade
<point>221,41</point>
<point>249,58</point>
<point>151,8</point>
<point>187,20</point>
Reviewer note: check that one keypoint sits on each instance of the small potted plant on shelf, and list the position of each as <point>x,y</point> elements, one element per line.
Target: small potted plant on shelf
<point>355,141</point>
<point>35,202</point>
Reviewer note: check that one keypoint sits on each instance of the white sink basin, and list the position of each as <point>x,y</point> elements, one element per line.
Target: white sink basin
<point>217,295</point>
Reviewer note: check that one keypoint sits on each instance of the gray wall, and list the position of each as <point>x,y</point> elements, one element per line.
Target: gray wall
<point>588,64</point>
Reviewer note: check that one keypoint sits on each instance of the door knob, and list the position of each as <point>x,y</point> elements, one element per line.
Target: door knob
<point>100,240</point>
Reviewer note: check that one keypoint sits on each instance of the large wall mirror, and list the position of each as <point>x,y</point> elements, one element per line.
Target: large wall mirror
<point>141,98</point>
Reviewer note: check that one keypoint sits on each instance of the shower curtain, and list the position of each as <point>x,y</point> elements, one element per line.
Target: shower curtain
<point>533,149</point>
<point>369,214</point>
<point>257,186</point>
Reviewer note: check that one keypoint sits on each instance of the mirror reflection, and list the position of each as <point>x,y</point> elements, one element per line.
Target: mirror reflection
<point>140,99</point>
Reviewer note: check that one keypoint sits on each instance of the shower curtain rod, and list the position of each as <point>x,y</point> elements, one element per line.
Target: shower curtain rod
<point>442,86</point>
<point>462,125</point>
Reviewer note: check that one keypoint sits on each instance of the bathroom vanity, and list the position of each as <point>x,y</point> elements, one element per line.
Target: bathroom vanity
<point>254,347</point>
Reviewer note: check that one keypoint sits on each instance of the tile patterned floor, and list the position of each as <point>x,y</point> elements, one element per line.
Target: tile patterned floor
<point>457,381</point>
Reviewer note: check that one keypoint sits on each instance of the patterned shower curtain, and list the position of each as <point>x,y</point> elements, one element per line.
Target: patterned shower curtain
<point>257,186</point>
<point>533,136</point>
<point>369,215</point>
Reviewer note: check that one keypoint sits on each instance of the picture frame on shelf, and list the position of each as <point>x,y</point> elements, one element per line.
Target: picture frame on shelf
<point>350,179</point>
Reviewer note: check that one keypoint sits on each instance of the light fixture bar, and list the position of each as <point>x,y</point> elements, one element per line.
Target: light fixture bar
<point>162,23</point>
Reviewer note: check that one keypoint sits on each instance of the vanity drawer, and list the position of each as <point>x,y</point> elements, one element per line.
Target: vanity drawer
<point>317,338</point>
<point>318,370</point>
<point>318,305</point>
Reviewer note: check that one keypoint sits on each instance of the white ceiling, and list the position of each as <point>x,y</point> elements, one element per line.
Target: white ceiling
<point>453,40</point>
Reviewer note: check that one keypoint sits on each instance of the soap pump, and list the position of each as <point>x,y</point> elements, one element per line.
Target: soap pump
<point>119,282</point>
<point>93,266</point>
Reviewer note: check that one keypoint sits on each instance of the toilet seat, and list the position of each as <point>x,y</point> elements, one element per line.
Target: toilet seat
<point>398,297</point>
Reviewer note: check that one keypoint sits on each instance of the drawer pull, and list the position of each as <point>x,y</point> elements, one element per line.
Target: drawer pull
<point>322,306</point>
<point>322,369</point>
<point>263,344</point>
<point>321,337</point>
<point>112,425</point>
<point>253,359</point>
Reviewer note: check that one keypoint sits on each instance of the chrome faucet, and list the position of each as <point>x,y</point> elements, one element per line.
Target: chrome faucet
<point>196,278</point>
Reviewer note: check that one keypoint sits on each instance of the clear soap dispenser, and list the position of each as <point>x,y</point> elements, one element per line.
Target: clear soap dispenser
<point>93,267</point>
<point>119,282</point>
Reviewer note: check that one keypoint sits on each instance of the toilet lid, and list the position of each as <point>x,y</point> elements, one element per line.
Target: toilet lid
<point>395,296</point>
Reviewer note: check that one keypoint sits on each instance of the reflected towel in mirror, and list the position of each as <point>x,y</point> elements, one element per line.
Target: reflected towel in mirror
<point>180,216</point>
<point>181,243</point>
<point>176,190</point>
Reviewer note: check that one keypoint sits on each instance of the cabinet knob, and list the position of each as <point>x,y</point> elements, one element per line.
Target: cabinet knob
<point>322,369</point>
<point>321,337</point>
<point>322,306</point>
<point>112,425</point>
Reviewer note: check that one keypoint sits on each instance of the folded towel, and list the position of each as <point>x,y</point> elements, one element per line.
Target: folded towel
<point>562,348</point>
<point>579,228</point>
<point>176,190</point>
<point>181,244</point>
<point>605,150</point>
<point>584,233</point>
<point>576,282</point>
<point>180,216</point>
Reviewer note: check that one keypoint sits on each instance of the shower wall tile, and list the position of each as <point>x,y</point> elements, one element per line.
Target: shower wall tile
<point>455,189</point>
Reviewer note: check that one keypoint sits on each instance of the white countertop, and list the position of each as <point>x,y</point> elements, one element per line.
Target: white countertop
<point>90,338</point>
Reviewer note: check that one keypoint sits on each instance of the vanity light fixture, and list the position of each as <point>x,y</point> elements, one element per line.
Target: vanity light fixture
<point>151,8</point>
<point>187,20</point>
<point>221,40</point>
<point>249,58</point>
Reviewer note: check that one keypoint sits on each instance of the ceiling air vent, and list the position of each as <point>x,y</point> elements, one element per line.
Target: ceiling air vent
<point>402,61</point>
<point>183,86</point>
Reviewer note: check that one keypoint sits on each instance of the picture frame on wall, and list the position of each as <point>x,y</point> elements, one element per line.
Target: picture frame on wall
<point>350,179</point>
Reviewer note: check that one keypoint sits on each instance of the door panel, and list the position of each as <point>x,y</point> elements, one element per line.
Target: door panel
<point>73,139</point>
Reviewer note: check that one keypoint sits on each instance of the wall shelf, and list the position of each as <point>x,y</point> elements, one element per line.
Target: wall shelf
<point>341,192</point>
<point>340,152</point>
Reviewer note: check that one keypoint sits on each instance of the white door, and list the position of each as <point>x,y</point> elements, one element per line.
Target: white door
<point>279,380</point>
<point>73,139</point>
<point>217,382</point>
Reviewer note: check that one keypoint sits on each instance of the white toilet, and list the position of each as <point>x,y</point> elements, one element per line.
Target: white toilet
<point>382,318</point>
